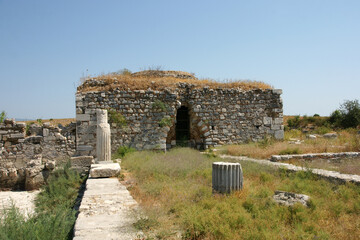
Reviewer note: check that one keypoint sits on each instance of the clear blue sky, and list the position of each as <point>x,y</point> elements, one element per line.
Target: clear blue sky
<point>308,48</point>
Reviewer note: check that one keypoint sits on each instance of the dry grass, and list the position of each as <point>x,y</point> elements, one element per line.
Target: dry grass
<point>348,141</point>
<point>138,81</point>
<point>55,122</point>
<point>174,190</point>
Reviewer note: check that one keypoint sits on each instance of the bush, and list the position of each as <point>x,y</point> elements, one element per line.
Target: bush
<point>160,105</point>
<point>116,117</point>
<point>165,121</point>
<point>347,116</point>
<point>2,116</point>
<point>55,216</point>
<point>123,150</point>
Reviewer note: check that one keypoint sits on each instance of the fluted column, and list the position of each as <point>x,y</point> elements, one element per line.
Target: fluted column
<point>103,136</point>
<point>226,177</point>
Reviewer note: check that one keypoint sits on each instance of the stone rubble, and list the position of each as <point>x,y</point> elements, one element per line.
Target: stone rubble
<point>289,199</point>
<point>28,154</point>
<point>309,156</point>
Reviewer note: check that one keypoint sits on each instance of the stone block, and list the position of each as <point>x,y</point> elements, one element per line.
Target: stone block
<point>82,117</point>
<point>279,134</point>
<point>278,121</point>
<point>82,161</point>
<point>85,148</point>
<point>277,91</point>
<point>267,120</point>
<point>104,170</point>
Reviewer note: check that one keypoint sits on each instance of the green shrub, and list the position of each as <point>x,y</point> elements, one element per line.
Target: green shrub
<point>2,116</point>
<point>294,122</point>
<point>165,121</point>
<point>347,116</point>
<point>323,130</point>
<point>123,150</point>
<point>54,216</point>
<point>117,118</point>
<point>157,104</point>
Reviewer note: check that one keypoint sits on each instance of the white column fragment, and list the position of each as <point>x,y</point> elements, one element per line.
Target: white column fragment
<point>103,136</point>
<point>226,177</point>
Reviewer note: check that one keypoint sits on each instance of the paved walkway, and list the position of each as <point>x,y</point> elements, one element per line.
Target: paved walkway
<point>107,212</point>
<point>332,175</point>
<point>23,200</point>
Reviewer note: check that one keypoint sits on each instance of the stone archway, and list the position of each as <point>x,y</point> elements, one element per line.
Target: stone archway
<point>182,127</point>
<point>187,130</point>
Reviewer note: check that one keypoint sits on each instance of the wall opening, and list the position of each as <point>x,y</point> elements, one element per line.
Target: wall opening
<point>182,127</point>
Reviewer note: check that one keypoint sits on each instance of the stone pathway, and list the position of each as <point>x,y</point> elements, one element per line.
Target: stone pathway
<point>21,199</point>
<point>107,211</point>
<point>332,175</point>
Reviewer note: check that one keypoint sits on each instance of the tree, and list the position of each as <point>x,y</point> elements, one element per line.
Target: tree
<point>347,116</point>
<point>2,116</point>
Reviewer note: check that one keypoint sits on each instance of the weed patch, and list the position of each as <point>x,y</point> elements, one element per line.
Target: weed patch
<point>174,189</point>
<point>54,217</point>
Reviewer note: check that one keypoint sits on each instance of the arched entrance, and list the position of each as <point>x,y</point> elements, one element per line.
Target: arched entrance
<point>182,127</point>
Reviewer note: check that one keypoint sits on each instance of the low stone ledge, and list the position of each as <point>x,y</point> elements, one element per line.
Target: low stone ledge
<point>279,158</point>
<point>104,170</point>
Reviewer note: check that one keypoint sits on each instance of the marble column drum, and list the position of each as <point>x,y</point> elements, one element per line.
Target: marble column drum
<point>226,177</point>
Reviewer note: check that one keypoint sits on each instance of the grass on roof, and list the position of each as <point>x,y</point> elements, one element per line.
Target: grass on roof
<point>160,80</point>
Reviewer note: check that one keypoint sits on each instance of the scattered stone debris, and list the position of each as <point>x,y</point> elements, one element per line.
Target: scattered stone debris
<point>289,198</point>
<point>295,141</point>
<point>330,135</point>
<point>308,156</point>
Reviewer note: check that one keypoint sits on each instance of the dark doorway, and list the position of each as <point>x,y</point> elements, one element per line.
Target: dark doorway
<point>182,128</point>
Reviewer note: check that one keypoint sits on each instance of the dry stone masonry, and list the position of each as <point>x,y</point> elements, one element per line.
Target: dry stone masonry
<point>29,153</point>
<point>187,115</point>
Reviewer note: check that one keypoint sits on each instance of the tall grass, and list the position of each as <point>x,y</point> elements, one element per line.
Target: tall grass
<point>174,189</point>
<point>54,217</point>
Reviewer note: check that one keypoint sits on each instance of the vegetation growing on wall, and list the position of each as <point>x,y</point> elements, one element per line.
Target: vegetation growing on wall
<point>165,121</point>
<point>160,80</point>
<point>117,118</point>
<point>157,104</point>
<point>2,116</point>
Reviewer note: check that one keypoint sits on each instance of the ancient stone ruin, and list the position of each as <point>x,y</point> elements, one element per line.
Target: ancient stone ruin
<point>162,109</point>
<point>146,110</point>
<point>226,177</point>
<point>29,153</point>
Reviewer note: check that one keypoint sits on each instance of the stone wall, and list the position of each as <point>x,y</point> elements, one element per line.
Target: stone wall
<point>216,116</point>
<point>28,153</point>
